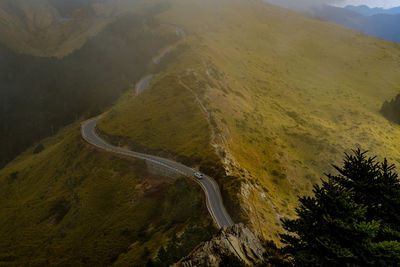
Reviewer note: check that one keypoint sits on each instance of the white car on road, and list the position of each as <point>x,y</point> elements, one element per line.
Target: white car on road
<point>198,175</point>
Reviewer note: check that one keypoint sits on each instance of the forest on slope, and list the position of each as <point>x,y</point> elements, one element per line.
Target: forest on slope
<point>40,95</point>
<point>64,202</point>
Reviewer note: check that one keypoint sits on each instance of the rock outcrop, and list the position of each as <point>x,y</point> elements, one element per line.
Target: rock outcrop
<point>237,241</point>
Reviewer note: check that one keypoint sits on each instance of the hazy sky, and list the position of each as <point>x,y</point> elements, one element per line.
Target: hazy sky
<point>371,3</point>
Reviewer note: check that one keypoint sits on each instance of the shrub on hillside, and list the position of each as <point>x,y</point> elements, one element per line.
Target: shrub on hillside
<point>391,109</point>
<point>39,148</point>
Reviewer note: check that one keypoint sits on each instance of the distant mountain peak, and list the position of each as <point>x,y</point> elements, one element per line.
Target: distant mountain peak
<point>369,11</point>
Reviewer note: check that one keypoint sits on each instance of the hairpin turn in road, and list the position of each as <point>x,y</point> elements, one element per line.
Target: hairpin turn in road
<point>213,196</point>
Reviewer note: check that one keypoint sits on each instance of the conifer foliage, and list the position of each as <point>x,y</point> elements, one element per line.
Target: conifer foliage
<point>391,109</point>
<point>352,219</point>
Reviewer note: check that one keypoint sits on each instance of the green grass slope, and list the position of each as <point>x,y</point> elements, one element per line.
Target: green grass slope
<point>164,120</point>
<point>74,205</point>
<point>283,97</point>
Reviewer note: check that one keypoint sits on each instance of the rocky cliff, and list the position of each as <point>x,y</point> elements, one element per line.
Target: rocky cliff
<point>237,241</point>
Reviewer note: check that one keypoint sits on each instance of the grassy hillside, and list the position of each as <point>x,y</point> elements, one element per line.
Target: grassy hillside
<point>269,95</point>
<point>63,202</point>
<point>284,96</point>
<point>71,204</point>
<point>164,120</point>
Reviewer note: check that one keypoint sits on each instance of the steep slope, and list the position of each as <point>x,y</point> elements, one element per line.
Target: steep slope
<point>41,95</point>
<point>62,202</point>
<point>282,95</point>
<point>259,97</point>
<point>235,241</point>
<point>71,204</point>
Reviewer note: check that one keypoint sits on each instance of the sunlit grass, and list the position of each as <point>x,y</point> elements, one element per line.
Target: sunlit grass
<point>289,95</point>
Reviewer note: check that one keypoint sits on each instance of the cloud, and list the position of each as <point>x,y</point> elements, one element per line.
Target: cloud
<point>371,3</point>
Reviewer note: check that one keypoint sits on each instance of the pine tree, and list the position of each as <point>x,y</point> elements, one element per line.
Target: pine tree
<point>162,258</point>
<point>173,249</point>
<point>375,185</point>
<point>343,224</point>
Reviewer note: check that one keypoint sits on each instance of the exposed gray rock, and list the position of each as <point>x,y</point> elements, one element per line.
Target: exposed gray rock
<point>236,240</point>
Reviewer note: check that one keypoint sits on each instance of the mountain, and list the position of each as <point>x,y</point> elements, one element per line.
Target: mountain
<point>259,97</point>
<point>52,195</point>
<point>367,11</point>
<point>283,95</point>
<point>51,27</point>
<point>381,25</point>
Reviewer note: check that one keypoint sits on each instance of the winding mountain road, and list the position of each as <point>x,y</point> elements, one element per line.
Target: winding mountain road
<point>143,83</point>
<point>215,205</point>
<point>214,201</point>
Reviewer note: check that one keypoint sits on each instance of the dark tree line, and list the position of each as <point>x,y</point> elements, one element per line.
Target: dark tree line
<point>40,95</point>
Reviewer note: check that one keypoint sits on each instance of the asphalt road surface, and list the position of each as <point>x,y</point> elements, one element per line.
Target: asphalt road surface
<point>214,200</point>
<point>143,83</point>
<point>158,59</point>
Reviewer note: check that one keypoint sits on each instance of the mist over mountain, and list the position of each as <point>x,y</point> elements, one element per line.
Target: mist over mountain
<point>51,27</point>
<point>131,131</point>
<point>368,11</point>
<point>381,25</point>
<point>66,7</point>
<point>39,95</point>
<point>375,22</point>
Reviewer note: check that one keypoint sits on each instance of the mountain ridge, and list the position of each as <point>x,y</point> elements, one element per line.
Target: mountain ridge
<point>265,94</point>
<point>385,26</point>
<point>368,11</point>
<point>378,25</point>
<point>260,96</point>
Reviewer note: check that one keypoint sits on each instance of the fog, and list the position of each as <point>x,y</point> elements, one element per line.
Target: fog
<point>304,3</point>
<point>371,3</point>
<point>301,4</point>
